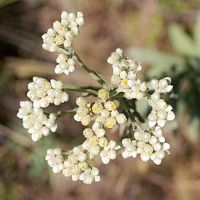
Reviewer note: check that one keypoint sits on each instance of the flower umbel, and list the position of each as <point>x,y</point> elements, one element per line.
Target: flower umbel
<point>110,107</point>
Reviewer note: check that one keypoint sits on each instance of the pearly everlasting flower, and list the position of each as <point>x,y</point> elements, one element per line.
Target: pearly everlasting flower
<point>76,165</point>
<point>83,113</point>
<point>73,163</point>
<point>66,64</point>
<point>160,86</point>
<point>125,76</point>
<point>112,107</point>
<point>104,113</point>
<point>108,115</point>
<point>93,144</point>
<point>55,159</point>
<point>149,145</point>
<point>121,118</point>
<point>103,94</point>
<point>34,119</point>
<point>42,92</point>
<point>129,148</point>
<point>63,32</point>
<point>109,152</point>
<point>90,175</point>
<point>161,112</point>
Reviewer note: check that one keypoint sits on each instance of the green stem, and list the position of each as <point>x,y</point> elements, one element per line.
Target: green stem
<point>92,73</point>
<point>89,90</point>
<point>127,109</point>
<point>62,113</point>
<point>132,105</point>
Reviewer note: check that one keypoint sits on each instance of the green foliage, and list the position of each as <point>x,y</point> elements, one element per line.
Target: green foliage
<point>39,164</point>
<point>183,68</point>
<point>159,61</point>
<point>197,35</point>
<point>10,193</point>
<point>187,86</point>
<point>182,43</point>
<point>178,5</point>
<point>4,3</point>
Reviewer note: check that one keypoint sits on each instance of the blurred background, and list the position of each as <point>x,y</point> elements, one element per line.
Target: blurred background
<point>164,35</point>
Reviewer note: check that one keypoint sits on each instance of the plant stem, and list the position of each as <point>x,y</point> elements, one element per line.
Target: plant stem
<point>89,90</point>
<point>91,72</point>
<point>132,105</point>
<point>63,113</point>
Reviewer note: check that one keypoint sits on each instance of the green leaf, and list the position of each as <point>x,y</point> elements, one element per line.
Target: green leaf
<point>197,34</point>
<point>182,42</point>
<point>160,62</point>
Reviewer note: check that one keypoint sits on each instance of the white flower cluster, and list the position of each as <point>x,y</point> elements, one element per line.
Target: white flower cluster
<point>34,119</point>
<point>161,111</point>
<point>111,107</point>
<point>93,144</point>
<point>76,162</point>
<point>125,80</point>
<point>78,168</point>
<point>103,111</point>
<point>65,64</point>
<point>42,92</point>
<point>160,86</point>
<point>149,145</point>
<point>59,39</point>
<point>55,159</point>
<point>99,145</point>
<point>125,75</point>
<point>109,152</point>
<point>63,32</point>
<point>73,163</point>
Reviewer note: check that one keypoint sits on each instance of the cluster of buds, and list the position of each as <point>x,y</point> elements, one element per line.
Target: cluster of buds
<point>103,112</point>
<point>59,39</point>
<point>42,92</point>
<point>63,32</point>
<point>98,109</point>
<point>65,64</point>
<point>161,111</point>
<point>95,144</point>
<point>36,121</point>
<point>73,163</point>
<point>124,76</point>
<point>150,145</point>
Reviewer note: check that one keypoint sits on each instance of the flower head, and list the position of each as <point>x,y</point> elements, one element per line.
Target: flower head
<point>63,32</point>
<point>34,119</point>
<point>42,92</point>
<point>55,159</point>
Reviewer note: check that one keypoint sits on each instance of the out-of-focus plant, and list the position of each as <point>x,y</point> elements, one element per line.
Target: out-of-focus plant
<point>183,45</point>
<point>187,90</point>
<point>183,66</point>
<point>109,106</point>
<point>6,2</point>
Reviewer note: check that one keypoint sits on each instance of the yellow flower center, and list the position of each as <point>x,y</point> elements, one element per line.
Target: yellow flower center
<point>103,94</point>
<point>97,108</point>
<point>124,83</point>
